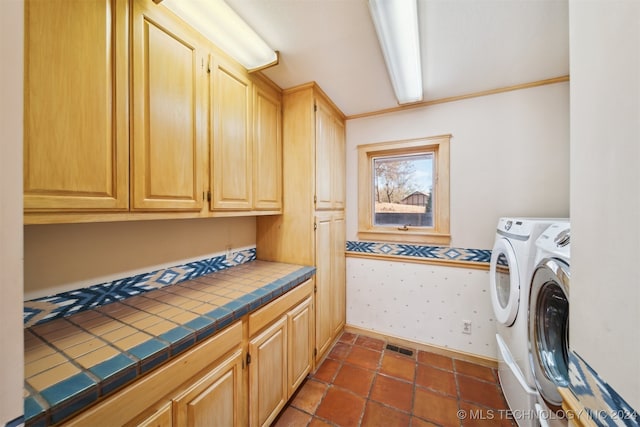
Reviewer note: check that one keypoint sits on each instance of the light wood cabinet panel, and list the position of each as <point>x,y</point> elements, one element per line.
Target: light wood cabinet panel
<point>267,151</point>
<point>324,156</point>
<point>338,274</point>
<point>163,417</point>
<point>340,162</point>
<point>330,158</point>
<point>324,255</point>
<point>309,231</point>
<point>231,153</point>
<point>268,374</point>
<point>330,279</point>
<point>299,324</point>
<point>215,399</point>
<point>76,132</point>
<point>167,70</point>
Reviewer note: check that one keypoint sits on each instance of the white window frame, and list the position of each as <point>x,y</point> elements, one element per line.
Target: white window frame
<point>439,234</point>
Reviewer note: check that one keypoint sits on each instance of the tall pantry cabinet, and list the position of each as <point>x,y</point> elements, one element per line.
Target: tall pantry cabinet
<point>311,229</point>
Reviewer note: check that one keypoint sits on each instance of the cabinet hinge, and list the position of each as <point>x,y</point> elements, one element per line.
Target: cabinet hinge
<point>315,226</point>
<point>248,359</point>
<point>315,352</point>
<point>208,196</point>
<point>315,289</point>
<point>315,199</point>
<point>315,107</point>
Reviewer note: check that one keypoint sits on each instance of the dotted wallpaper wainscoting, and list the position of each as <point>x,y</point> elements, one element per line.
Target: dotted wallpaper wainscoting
<point>422,302</point>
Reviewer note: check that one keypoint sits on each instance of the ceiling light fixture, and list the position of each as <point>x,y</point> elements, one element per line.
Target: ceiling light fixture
<point>220,24</point>
<point>396,23</point>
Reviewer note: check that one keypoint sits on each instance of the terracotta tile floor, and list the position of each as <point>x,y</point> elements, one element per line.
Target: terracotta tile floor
<point>362,383</point>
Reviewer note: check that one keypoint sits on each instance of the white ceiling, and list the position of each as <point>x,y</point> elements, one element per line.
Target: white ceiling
<point>467,46</point>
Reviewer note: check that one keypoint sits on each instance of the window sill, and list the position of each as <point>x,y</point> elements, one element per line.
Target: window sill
<point>409,236</point>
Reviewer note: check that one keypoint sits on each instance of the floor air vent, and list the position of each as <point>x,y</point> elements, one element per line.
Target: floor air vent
<point>400,350</point>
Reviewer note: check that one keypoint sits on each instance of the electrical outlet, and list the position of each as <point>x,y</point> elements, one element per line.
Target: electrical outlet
<point>466,327</point>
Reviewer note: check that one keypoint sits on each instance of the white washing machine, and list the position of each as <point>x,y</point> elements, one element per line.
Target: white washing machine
<point>549,321</point>
<point>512,263</point>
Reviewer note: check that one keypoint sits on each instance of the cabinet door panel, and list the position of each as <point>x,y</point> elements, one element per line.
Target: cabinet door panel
<point>76,97</point>
<point>324,158</point>
<point>232,149</point>
<point>267,182</point>
<point>215,399</point>
<point>166,170</point>
<point>323,309</point>
<point>339,164</point>
<point>338,278</point>
<point>300,340</point>
<point>268,374</point>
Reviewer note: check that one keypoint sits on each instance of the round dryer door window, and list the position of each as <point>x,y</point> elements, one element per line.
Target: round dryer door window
<point>505,282</point>
<point>549,329</point>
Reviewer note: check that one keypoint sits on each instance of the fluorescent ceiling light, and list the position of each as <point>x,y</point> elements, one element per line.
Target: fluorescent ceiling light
<point>220,24</point>
<point>396,23</point>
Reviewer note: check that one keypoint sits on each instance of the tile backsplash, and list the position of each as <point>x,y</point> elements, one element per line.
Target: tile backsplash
<point>64,304</point>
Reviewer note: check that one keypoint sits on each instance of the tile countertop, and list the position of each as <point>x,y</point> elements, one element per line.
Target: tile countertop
<point>72,362</point>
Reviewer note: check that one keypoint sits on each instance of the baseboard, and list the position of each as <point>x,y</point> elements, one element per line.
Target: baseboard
<point>444,351</point>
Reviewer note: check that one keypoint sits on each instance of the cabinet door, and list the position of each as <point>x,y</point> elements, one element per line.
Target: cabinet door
<point>300,342</point>
<point>324,156</point>
<point>231,152</point>
<point>339,164</point>
<point>166,107</point>
<point>323,298</point>
<point>76,129</point>
<point>268,374</point>
<point>267,179</point>
<point>338,274</point>
<point>215,399</point>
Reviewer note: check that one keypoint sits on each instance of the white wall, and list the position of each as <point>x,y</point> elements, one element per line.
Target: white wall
<point>11,81</point>
<point>605,191</point>
<point>509,157</point>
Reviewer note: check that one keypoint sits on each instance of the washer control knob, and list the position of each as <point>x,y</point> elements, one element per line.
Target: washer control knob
<point>563,238</point>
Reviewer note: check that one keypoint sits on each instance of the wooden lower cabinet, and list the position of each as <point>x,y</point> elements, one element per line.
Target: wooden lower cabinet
<point>209,385</point>
<point>215,400</point>
<point>299,322</point>
<point>280,361</point>
<point>268,374</point>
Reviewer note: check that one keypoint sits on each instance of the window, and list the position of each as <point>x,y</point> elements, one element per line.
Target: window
<point>403,191</point>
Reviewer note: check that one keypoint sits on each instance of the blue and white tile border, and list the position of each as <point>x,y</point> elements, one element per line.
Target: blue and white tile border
<point>64,304</point>
<point>600,400</point>
<point>421,252</point>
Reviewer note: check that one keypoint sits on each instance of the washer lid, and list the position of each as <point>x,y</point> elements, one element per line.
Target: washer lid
<point>504,282</point>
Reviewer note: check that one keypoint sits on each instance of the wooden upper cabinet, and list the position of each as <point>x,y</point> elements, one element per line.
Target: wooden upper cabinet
<point>76,106</point>
<point>267,149</point>
<point>330,157</point>
<point>231,151</point>
<point>168,70</point>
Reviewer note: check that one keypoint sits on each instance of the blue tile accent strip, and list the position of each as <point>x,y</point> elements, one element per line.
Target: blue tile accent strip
<point>600,400</point>
<point>439,253</point>
<point>64,304</point>
<point>15,423</point>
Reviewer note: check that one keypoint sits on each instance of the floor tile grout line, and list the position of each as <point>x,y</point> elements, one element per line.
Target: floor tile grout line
<point>342,361</point>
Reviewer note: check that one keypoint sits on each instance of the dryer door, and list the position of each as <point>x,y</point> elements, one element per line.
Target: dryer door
<point>549,329</point>
<point>505,282</point>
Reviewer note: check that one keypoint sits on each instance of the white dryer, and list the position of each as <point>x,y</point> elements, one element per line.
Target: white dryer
<point>549,321</point>
<point>512,263</point>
